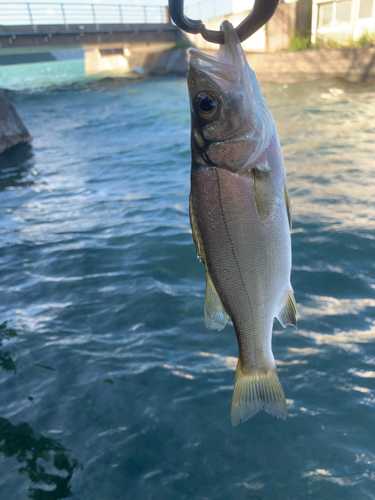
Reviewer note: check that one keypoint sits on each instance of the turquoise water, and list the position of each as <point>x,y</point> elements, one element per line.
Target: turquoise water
<point>111,386</point>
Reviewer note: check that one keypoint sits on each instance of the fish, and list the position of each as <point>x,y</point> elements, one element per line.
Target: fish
<point>240,215</point>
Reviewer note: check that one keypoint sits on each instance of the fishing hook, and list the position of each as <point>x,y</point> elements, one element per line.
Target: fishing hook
<point>262,12</point>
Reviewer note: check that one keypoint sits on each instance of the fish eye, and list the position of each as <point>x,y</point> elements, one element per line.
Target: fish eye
<point>207,105</point>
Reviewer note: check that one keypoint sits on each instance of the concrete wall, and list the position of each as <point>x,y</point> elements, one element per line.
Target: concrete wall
<point>353,65</point>
<point>281,27</point>
<point>288,20</point>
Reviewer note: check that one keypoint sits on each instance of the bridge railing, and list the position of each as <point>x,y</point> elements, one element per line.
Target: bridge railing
<point>79,14</point>
<point>208,9</point>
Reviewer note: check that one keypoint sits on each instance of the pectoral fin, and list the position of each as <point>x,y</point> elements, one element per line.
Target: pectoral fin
<point>215,315</point>
<point>288,206</point>
<point>264,193</point>
<point>196,235</point>
<point>288,313</point>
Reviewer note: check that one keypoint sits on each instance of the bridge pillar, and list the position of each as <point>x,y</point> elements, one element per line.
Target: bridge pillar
<point>124,59</point>
<point>107,60</point>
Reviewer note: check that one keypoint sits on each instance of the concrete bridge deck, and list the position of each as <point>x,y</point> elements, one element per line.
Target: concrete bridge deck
<point>24,39</point>
<point>109,37</point>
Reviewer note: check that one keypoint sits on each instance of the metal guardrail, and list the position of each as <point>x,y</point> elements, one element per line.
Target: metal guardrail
<point>35,14</point>
<point>208,9</point>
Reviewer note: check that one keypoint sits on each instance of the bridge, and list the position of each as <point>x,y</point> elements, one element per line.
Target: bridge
<point>110,34</point>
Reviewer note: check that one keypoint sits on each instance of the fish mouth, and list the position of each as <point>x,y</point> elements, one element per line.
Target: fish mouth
<point>227,63</point>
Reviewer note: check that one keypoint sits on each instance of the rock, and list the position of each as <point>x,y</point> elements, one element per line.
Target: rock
<point>12,130</point>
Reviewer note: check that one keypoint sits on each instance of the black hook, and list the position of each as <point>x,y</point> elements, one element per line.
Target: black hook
<point>262,12</point>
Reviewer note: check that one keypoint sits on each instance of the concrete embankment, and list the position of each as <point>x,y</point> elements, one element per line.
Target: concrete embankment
<point>12,130</point>
<point>352,65</point>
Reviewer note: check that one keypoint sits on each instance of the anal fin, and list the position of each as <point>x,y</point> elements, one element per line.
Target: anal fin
<point>288,313</point>
<point>215,315</point>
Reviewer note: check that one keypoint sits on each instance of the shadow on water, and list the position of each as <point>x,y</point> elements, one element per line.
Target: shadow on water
<point>15,163</point>
<point>37,453</point>
<point>6,361</point>
<point>45,460</point>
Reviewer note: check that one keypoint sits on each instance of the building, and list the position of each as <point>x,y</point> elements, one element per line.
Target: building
<point>291,17</point>
<point>342,20</point>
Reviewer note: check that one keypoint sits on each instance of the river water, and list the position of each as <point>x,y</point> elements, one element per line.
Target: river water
<point>111,386</point>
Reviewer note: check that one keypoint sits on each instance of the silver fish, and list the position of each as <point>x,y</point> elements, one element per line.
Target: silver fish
<point>241,218</point>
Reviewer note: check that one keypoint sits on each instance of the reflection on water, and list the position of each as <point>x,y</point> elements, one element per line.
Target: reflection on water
<point>16,162</point>
<point>6,359</point>
<point>44,460</point>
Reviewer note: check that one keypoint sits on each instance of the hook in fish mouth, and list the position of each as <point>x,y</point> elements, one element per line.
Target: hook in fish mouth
<point>228,62</point>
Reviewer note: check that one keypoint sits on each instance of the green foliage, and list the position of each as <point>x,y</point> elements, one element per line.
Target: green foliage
<point>182,44</point>
<point>364,40</point>
<point>327,43</point>
<point>299,42</point>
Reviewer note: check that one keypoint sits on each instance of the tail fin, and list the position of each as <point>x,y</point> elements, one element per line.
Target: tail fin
<point>255,391</point>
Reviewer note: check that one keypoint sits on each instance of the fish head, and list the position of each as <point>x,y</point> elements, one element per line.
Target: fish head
<point>231,122</point>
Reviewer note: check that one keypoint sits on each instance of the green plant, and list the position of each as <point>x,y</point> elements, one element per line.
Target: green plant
<point>366,38</point>
<point>182,44</point>
<point>300,42</point>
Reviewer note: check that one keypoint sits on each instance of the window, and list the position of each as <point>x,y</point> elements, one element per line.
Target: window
<point>365,9</point>
<point>325,15</point>
<point>343,12</point>
<point>336,13</point>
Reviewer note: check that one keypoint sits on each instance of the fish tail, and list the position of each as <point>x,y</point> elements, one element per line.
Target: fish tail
<point>256,390</point>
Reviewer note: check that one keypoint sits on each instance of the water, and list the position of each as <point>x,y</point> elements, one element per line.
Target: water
<point>111,386</point>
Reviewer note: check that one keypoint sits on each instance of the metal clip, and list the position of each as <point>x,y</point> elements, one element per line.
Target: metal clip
<point>262,12</point>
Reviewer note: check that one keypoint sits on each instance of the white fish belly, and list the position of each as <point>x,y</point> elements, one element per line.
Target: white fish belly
<point>249,260</point>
